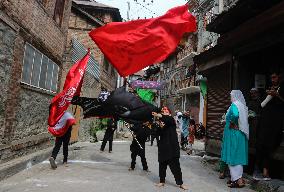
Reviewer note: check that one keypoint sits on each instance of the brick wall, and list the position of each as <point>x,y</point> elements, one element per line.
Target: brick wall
<point>23,109</point>
<point>39,24</point>
<point>79,28</point>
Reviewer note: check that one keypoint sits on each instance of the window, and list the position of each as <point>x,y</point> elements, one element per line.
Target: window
<point>58,11</point>
<point>78,52</point>
<point>38,70</point>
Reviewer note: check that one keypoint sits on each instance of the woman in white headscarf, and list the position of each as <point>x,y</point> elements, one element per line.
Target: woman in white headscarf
<point>235,139</point>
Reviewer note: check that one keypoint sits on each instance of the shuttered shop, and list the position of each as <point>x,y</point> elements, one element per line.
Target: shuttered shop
<point>218,99</point>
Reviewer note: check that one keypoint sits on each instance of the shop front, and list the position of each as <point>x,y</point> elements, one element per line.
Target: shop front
<point>249,49</point>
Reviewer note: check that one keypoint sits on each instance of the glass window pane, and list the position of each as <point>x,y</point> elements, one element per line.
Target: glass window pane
<point>49,75</point>
<point>43,72</point>
<point>36,68</point>
<point>28,62</point>
<point>55,78</point>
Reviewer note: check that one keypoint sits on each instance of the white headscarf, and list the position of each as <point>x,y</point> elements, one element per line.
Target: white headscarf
<point>239,100</point>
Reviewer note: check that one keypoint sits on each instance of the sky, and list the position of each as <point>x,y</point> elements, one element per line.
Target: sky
<point>143,8</point>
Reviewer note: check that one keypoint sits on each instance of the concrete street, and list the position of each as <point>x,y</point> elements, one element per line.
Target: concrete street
<point>89,170</point>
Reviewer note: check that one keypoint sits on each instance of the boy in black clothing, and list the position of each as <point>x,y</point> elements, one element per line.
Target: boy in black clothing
<point>58,142</point>
<point>108,137</point>
<point>141,132</point>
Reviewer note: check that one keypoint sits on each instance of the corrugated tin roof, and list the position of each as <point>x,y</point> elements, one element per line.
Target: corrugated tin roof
<point>92,3</point>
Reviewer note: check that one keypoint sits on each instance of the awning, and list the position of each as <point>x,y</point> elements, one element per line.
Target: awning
<point>189,90</point>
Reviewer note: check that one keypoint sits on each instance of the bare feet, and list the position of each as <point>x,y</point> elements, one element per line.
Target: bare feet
<point>160,184</point>
<point>183,187</point>
<point>65,164</point>
<point>130,169</point>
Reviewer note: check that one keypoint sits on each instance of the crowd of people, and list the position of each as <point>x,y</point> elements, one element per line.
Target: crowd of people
<point>189,130</point>
<point>260,122</point>
<point>162,128</point>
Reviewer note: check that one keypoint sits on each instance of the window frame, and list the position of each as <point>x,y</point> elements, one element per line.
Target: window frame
<point>37,85</point>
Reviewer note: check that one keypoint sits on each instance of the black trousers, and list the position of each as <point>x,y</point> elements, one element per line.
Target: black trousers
<point>141,153</point>
<point>58,142</point>
<point>104,145</point>
<point>153,137</point>
<point>175,169</point>
<point>263,156</point>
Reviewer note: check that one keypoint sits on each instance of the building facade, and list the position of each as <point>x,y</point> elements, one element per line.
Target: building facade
<point>32,37</point>
<point>245,54</point>
<point>85,16</point>
<point>179,73</point>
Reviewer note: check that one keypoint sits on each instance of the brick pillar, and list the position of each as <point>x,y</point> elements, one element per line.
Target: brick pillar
<point>14,89</point>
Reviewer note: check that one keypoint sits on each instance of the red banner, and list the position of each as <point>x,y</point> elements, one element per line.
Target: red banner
<point>72,87</point>
<point>134,45</point>
<point>62,125</point>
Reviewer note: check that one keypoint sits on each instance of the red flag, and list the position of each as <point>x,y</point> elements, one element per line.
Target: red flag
<point>134,45</point>
<point>62,125</point>
<point>72,87</point>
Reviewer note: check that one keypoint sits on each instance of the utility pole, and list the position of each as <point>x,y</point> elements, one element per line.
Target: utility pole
<point>128,10</point>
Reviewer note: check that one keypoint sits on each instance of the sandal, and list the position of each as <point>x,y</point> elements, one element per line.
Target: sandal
<point>229,182</point>
<point>235,184</point>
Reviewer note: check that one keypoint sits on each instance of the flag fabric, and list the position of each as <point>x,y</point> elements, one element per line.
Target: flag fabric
<point>120,104</point>
<point>72,86</point>
<point>134,45</point>
<point>62,125</point>
<point>92,107</point>
<point>148,85</point>
<point>146,95</point>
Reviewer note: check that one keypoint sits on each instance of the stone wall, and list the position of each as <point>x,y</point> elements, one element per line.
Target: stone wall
<point>33,119</point>
<point>7,38</point>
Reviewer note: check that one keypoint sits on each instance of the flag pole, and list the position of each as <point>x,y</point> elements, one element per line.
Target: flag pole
<point>134,138</point>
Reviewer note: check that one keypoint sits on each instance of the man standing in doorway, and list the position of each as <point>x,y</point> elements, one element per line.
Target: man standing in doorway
<point>271,123</point>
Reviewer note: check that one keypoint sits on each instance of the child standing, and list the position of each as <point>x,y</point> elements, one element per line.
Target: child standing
<point>62,132</point>
<point>191,130</point>
<point>141,132</point>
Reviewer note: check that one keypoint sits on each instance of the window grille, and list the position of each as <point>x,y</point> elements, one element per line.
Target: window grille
<point>38,70</point>
<point>78,52</point>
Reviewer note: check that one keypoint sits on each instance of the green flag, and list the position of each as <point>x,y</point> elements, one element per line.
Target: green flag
<point>146,95</point>
<point>203,88</point>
